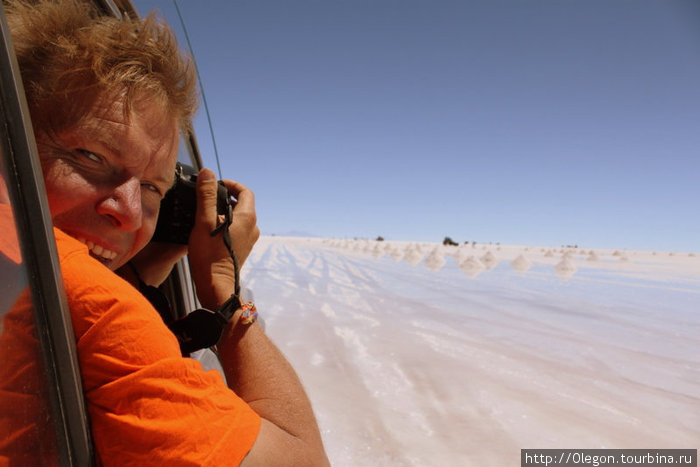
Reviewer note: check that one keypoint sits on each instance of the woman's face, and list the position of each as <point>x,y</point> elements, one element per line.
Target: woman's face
<point>105,177</point>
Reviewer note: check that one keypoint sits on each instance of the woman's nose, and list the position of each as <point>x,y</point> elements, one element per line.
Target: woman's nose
<point>123,206</point>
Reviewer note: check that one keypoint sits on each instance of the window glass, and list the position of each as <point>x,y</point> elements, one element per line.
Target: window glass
<point>27,434</point>
<point>184,150</point>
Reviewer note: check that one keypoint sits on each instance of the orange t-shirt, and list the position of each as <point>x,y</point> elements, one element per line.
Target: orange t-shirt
<point>147,404</point>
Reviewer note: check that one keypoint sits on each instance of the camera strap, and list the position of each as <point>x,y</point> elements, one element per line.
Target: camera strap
<point>201,328</point>
<point>223,227</point>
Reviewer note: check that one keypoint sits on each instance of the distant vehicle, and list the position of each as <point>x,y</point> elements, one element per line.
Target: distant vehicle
<point>38,270</point>
<point>449,242</point>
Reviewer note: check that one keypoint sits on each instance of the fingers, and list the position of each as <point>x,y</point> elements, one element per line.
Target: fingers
<point>244,230</point>
<point>210,261</point>
<point>207,187</point>
<point>245,199</point>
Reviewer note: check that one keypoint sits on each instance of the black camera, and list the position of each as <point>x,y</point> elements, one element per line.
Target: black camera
<point>178,207</point>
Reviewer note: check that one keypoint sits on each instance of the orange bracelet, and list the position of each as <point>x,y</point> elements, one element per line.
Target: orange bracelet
<point>250,313</point>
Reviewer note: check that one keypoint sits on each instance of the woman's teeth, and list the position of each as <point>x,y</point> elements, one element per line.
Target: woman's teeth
<point>98,250</point>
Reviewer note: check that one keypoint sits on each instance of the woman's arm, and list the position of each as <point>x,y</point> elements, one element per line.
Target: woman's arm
<point>255,369</point>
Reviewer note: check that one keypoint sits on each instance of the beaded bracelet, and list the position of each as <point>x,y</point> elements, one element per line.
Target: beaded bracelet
<point>250,313</point>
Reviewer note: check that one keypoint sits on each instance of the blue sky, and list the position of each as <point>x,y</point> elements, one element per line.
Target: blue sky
<point>544,122</point>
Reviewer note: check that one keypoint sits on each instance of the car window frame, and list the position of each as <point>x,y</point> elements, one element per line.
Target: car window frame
<point>25,185</point>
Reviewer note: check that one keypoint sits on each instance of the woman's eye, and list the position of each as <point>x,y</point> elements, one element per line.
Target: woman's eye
<point>90,155</point>
<point>151,187</point>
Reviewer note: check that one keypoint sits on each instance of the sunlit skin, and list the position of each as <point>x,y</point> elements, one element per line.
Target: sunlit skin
<point>106,175</point>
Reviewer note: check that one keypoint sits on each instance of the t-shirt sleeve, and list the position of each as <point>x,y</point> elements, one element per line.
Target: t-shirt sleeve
<point>147,404</point>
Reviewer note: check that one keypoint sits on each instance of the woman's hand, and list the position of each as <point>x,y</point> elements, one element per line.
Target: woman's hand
<point>210,261</point>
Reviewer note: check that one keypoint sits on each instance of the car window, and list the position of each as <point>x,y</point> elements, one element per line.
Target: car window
<point>27,434</point>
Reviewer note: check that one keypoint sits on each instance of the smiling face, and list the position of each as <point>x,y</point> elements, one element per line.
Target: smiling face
<point>106,175</point>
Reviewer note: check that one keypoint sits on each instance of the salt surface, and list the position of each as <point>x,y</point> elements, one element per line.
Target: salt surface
<point>411,367</point>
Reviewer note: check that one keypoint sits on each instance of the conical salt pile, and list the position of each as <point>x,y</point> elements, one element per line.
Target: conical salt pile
<point>412,255</point>
<point>435,260</point>
<point>565,268</point>
<point>462,253</point>
<point>489,260</point>
<point>521,264</point>
<point>379,250</point>
<point>396,254</point>
<point>471,266</point>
